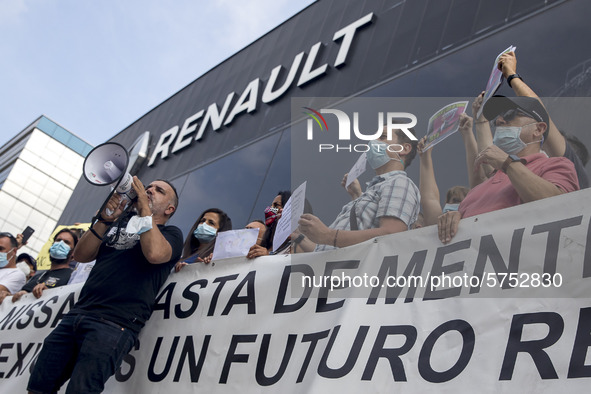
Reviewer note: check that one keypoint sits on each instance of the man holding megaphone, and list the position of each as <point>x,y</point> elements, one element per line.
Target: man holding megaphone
<point>117,299</point>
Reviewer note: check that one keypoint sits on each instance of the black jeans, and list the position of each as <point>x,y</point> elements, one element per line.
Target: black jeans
<point>83,348</point>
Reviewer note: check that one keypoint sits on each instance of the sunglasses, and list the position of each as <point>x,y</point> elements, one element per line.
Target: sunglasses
<point>513,113</point>
<point>508,116</point>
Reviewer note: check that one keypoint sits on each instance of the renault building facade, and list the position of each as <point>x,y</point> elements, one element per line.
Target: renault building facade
<point>224,140</point>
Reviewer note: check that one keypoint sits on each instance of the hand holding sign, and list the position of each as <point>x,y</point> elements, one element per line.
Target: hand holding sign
<point>353,187</point>
<point>234,243</point>
<point>495,79</point>
<point>294,208</point>
<point>508,64</point>
<point>355,171</point>
<point>444,123</point>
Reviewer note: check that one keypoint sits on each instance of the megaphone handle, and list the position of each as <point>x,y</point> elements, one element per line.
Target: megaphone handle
<point>104,205</point>
<point>124,197</point>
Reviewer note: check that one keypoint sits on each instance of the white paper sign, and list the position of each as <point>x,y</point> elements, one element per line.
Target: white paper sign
<point>494,80</point>
<point>357,169</point>
<point>234,243</point>
<point>293,209</point>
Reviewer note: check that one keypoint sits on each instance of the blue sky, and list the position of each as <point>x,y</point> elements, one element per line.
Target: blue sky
<point>94,67</point>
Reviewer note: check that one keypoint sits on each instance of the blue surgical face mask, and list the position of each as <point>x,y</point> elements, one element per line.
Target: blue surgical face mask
<point>59,250</point>
<point>4,258</point>
<point>139,225</point>
<point>508,139</point>
<point>450,207</point>
<point>377,154</point>
<point>204,232</point>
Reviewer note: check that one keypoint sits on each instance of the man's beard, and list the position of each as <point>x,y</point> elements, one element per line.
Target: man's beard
<point>55,261</point>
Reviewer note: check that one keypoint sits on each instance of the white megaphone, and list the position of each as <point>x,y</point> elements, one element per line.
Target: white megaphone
<point>107,164</point>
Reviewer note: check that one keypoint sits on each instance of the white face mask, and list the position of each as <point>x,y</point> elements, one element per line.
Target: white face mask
<point>24,267</point>
<point>205,233</point>
<point>450,207</point>
<point>377,155</point>
<point>139,225</point>
<point>508,139</point>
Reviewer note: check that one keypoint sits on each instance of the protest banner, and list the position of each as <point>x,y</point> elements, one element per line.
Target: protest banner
<point>510,311</point>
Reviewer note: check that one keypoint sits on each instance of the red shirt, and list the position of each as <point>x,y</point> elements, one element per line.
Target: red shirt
<point>497,192</point>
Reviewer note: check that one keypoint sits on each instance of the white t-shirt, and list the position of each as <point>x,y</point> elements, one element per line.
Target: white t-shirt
<point>12,278</point>
<point>80,274</point>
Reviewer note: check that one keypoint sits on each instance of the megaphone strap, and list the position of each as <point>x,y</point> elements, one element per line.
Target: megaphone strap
<point>95,234</point>
<point>100,219</point>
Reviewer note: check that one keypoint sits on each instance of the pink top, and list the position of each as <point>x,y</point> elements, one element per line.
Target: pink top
<point>497,192</point>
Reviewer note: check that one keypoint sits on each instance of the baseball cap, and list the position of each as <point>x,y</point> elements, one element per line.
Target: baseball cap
<point>498,104</point>
<point>28,258</point>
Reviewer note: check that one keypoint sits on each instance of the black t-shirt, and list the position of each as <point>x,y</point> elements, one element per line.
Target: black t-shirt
<point>570,154</point>
<point>54,278</point>
<point>123,285</point>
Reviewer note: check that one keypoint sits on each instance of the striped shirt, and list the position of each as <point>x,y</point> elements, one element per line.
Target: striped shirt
<point>392,194</point>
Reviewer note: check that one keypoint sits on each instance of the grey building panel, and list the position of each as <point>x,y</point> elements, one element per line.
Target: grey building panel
<point>412,48</point>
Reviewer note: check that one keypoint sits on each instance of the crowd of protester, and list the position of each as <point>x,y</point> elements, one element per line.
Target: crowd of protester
<point>514,154</point>
<point>512,145</point>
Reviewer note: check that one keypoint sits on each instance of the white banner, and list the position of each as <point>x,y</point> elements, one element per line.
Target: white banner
<point>505,307</point>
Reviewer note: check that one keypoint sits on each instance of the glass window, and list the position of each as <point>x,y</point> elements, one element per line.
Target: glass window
<point>62,135</point>
<point>5,172</point>
<point>231,184</point>
<point>432,26</point>
<point>404,35</point>
<point>6,201</point>
<point>522,7</point>
<point>278,178</point>
<point>459,23</point>
<point>46,125</point>
<point>77,144</point>
<point>12,188</point>
<point>491,14</point>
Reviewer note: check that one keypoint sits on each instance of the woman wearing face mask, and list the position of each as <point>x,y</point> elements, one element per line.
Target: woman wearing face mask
<point>272,215</point>
<point>60,255</point>
<point>199,244</point>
